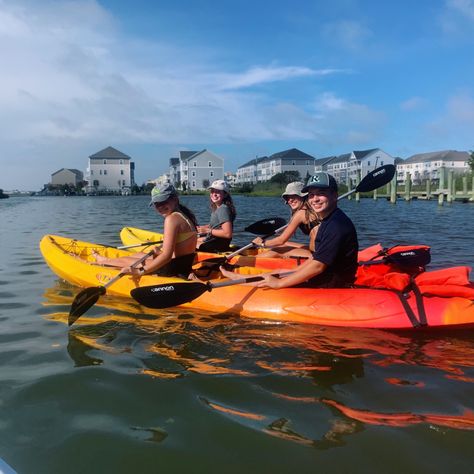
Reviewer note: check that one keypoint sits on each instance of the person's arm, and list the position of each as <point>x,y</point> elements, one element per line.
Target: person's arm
<point>286,235</point>
<point>171,227</point>
<point>224,232</point>
<point>307,270</point>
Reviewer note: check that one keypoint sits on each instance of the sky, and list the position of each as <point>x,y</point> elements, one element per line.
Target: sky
<point>240,78</point>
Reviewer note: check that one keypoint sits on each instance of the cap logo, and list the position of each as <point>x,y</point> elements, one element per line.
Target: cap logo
<point>315,179</point>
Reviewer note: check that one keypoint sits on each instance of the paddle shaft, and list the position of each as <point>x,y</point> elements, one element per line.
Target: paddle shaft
<point>133,265</point>
<point>240,281</point>
<point>143,244</point>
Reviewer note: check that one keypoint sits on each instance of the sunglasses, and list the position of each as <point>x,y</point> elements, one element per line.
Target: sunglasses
<point>293,197</point>
<point>162,203</point>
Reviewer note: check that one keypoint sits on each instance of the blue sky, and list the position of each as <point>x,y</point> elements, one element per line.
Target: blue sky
<point>241,78</point>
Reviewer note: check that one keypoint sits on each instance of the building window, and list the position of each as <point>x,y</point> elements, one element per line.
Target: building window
<point>211,174</point>
<point>105,171</point>
<point>96,182</point>
<point>194,163</point>
<point>193,174</point>
<point>123,182</point>
<point>100,172</point>
<point>92,172</point>
<point>105,162</point>
<point>210,164</point>
<point>121,172</point>
<point>193,184</point>
<point>368,163</point>
<point>121,162</point>
<point>293,162</point>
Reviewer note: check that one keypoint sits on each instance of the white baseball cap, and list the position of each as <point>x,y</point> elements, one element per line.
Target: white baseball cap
<point>220,185</point>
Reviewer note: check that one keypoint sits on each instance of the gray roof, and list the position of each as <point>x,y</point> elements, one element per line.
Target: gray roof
<point>323,161</point>
<point>72,170</point>
<point>253,162</point>
<point>185,155</point>
<point>292,153</point>
<point>110,153</point>
<point>362,153</point>
<point>174,161</point>
<point>446,155</point>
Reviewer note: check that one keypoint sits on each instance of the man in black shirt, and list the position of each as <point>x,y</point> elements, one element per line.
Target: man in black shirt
<point>334,262</point>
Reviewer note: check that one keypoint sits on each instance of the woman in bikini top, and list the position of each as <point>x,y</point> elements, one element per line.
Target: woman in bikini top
<point>176,255</point>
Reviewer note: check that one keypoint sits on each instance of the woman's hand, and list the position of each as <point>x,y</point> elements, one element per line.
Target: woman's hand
<point>258,241</point>
<point>134,271</point>
<point>269,281</point>
<point>203,229</point>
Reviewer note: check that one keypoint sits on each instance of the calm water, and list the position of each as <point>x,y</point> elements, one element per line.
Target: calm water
<point>123,391</point>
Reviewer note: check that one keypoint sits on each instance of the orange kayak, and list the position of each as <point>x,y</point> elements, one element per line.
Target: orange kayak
<point>387,308</point>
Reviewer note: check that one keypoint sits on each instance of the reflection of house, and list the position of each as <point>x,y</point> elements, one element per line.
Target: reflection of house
<point>426,165</point>
<point>264,168</point>
<point>67,176</point>
<point>195,170</point>
<point>345,167</point>
<point>110,170</point>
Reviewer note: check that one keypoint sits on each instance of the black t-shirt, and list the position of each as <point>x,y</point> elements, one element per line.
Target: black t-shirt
<point>336,246</point>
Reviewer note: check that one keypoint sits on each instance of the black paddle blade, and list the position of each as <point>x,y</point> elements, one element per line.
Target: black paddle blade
<point>376,179</point>
<point>83,301</point>
<point>410,258</point>
<point>168,295</point>
<point>266,226</point>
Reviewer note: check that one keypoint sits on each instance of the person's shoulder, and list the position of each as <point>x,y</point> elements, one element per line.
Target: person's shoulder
<point>299,215</point>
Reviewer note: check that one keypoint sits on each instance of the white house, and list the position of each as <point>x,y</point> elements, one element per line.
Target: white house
<point>110,170</point>
<point>67,176</point>
<point>196,170</point>
<point>264,168</point>
<point>426,165</point>
<point>345,167</point>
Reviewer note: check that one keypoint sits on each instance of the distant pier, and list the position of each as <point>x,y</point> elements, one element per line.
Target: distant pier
<point>450,188</point>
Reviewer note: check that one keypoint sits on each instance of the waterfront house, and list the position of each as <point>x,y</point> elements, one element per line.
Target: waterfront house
<point>262,169</point>
<point>423,166</point>
<point>68,176</point>
<point>196,170</point>
<point>345,167</point>
<point>110,170</point>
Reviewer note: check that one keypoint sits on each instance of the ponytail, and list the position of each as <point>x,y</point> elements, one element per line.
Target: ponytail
<point>188,213</point>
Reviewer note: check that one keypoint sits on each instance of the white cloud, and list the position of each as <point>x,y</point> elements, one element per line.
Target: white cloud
<point>456,123</point>
<point>413,103</point>
<point>457,18</point>
<point>345,123</point>
<point>262,75</point>
<point>464,7</point>
<point>71,80</point>
<point>348,34</point>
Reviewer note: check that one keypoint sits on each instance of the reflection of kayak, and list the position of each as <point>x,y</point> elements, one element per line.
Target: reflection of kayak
<point>355,307</point>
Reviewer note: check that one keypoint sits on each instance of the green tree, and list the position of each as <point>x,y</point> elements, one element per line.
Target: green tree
<point>285,177</point>
<point>470,162</point>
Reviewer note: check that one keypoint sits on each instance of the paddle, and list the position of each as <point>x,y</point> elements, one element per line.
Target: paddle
<point>86,298</point>
<point>174,294</point>
<point>373,180</point>
<point>143,244</point>
<point>418,257</point>
<point>263,226</point>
